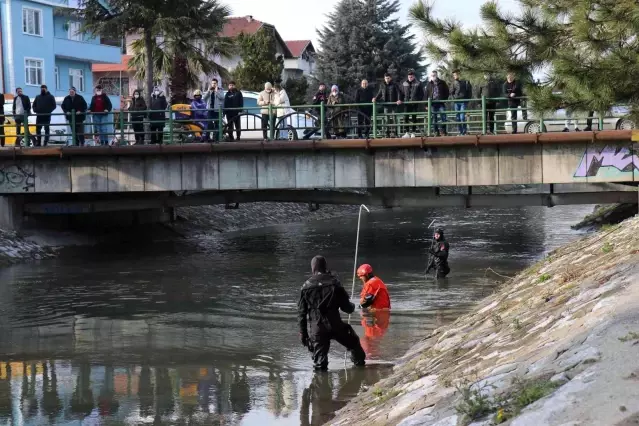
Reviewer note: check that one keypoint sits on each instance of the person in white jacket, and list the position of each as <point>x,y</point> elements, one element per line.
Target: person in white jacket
<point>284,109</point>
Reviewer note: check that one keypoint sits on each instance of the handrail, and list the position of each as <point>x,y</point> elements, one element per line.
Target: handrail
<point>373,120</point>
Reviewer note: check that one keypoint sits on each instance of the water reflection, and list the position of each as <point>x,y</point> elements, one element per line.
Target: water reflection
<point>204,331</point>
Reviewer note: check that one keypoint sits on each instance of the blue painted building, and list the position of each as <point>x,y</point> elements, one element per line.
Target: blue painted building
<point>41,44</point>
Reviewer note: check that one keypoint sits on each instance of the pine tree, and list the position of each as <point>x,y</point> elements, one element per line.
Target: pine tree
<point>588,49</point>
<point>296,89</point>
<point>365,39</point>
<point>260,62</point>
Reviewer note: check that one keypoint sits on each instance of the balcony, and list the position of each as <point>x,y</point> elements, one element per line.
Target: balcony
<point>86,51</point>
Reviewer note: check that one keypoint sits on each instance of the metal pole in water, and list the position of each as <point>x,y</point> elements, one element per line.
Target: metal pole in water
<point>359,219</point>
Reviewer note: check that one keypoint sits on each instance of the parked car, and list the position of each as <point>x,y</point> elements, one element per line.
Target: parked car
<point>296,125</point>
<point>616,119</point>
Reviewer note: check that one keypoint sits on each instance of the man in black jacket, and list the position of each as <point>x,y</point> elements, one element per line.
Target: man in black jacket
<point>157,116</point>
<point>321,299</point>
<point>364,95</point>
<point>233,99</point>
<point>413,91</point>
<point>100,108</point>
<point>491,91</point>
<point>21,108</point>
<point>512,91</point>
<point>43,106</point>
<point>321,97</point>
<point>437,91</point>
<point>74,105</point>
<point>391,95</point>
<point>439,255</point>
<point>462,90</point>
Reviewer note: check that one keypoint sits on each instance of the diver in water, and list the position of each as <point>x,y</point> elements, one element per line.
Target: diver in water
<point>321,299</point>
<point>439,255</point>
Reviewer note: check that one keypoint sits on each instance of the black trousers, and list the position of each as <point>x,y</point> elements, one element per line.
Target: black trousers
<point>441,270</point>
<point>411,118</point>
<point>513,108</point>
<point>2,130</point>
<point>233,123</point>
<point>157,133</point>
<point>43,122</point>
<point>346,337</point>
<point>79,133</point>
<point>490,116</point>
<point>267,123</point>
<point>138,128</point>
<point>212,125</point>
<point>364,122</point>
<point>19,122</point>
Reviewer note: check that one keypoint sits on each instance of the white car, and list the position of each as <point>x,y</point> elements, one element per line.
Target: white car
<point>615,119</point>
<point>297,125</point>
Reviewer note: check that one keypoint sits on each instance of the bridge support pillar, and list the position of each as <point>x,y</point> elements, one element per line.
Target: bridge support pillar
<point>11,212</point>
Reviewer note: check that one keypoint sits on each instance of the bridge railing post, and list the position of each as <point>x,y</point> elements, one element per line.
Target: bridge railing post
<point>271,123</point>
<point>171,134</point>
<point>122,123</point>
<point>374,120</point>
<point>429,116</point>
<point>26,128</point>
<point>483,115</point>
<point>220,124</point>
<point>74,136</point>
<point>322,120</point>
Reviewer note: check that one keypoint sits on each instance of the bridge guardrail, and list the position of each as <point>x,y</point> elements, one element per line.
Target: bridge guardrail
<point>180,124</point>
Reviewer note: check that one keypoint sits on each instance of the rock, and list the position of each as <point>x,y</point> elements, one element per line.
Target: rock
<point>560,378</point>
<point>571,359</point>
<point>419,418</point>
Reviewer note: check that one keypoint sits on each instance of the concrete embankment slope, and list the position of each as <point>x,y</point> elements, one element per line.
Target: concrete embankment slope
<point>556,345</point>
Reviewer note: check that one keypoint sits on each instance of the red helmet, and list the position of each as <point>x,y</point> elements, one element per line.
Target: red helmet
<point>364,270</point>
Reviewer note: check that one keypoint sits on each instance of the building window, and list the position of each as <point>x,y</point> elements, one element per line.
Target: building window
<point>74,31</point>
<point>56,71</point>
<point>34,75</point>
<point>76,79</point>
<point>32,21</point>
<point>114,86</point>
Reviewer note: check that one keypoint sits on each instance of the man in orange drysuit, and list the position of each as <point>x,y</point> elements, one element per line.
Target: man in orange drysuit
<point>374,294</point>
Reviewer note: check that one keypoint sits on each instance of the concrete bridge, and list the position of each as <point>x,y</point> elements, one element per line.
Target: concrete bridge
<point>557,168</point>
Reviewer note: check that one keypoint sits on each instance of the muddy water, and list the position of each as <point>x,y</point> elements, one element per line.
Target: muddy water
<point>204,331</point>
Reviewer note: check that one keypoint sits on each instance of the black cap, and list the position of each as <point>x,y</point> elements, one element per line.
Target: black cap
<point>44,86</point>
<point>411,72</point>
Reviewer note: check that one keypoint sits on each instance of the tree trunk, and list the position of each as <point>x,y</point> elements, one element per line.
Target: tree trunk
<point>148,44</point>
<point>179,80</point>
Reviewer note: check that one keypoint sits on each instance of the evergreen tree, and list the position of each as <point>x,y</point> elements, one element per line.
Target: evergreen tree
<point>587,48</point>
<point>296,89</point>
<point>260,62</point>
<point>364,39</point>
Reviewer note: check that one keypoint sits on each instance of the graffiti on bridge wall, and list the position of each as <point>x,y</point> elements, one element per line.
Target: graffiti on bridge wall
<point>608,161</point>
<point>14,178</point>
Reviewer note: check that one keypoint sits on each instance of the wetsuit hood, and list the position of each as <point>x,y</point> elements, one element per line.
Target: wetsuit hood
<point>440,231</point>
<point>318,265</point>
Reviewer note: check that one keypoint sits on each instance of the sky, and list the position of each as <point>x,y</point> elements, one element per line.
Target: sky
<point>298,20</point>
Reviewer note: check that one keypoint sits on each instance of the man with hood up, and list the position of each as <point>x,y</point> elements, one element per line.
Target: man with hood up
<point>321,299</point>
<point>439,255</point>
<point>157,117</point>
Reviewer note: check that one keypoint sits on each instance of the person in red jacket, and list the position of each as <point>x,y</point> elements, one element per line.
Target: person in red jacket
<point>374,294</point>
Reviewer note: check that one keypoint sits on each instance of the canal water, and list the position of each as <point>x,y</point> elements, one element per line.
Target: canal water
<point>203,332</point>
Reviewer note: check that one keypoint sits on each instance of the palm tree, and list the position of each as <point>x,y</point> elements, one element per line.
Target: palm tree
<point>183,57</point>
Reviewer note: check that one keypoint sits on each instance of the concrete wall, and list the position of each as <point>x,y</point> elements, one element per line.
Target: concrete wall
<point>385,168</point>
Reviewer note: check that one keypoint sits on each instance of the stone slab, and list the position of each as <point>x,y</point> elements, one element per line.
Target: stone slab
<point>395,168</point>
<point>276,171</point>
<point>238,171</point>
<point>162,173</point>
<point>126,174</point>
<point>520,164</point>
<point>560,162</point>
<point>436,166</point>
<point>200,172</point>
<point>17,177</point>
<point>354,169</point>
<point>89,174</point>
<point>315,170</point>
<point>52,175</point>
<point>477,165</point>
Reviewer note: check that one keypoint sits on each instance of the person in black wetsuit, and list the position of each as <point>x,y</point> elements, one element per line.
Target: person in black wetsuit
<point>439,255</point>
<point>321,299</point>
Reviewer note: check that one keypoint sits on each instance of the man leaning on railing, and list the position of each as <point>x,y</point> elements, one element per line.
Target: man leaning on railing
<point>437,91</point>
<point>21,108</point>
<point>43,105</point>
<point>391,95</point>
<point>74,107</point>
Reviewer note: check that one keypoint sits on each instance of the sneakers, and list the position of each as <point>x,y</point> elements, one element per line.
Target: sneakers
<point>406,136</point>
<point>565,130</point>
<point>412,135</point>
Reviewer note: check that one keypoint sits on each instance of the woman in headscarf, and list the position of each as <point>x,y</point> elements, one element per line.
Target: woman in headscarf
<point>283,105</point>
<point>337,120</point>
<point>199,112</point>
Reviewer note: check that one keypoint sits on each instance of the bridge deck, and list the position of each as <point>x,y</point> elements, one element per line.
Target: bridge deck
<point>328,144</point>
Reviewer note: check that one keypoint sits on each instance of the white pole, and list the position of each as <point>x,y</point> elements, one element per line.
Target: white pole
<point>359,219</point>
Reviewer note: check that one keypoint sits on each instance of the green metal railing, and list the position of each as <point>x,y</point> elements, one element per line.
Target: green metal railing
<point>371,120</point>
